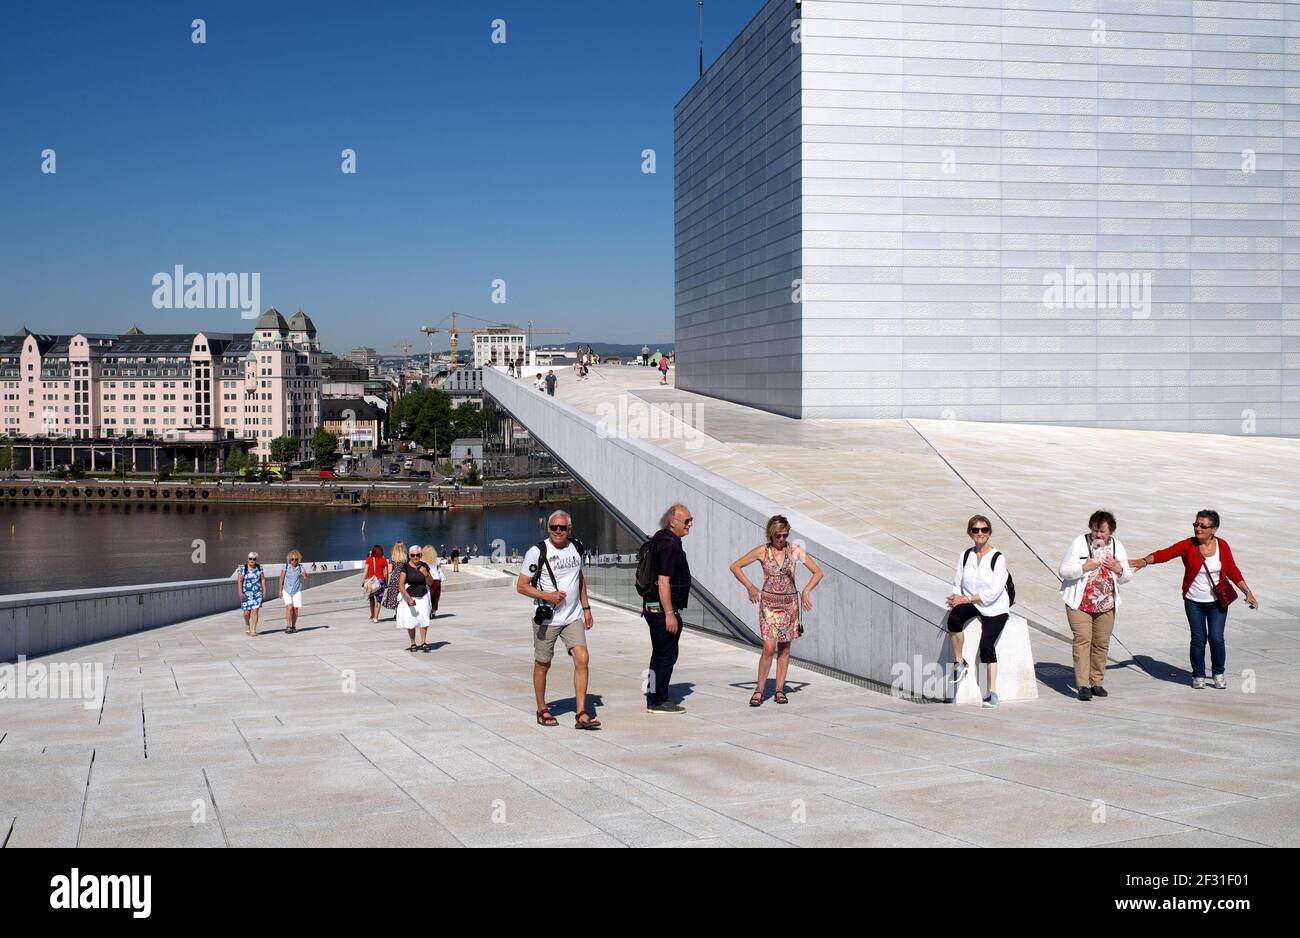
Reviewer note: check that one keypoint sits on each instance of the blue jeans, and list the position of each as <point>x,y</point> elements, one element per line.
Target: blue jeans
<point>1203,618</point>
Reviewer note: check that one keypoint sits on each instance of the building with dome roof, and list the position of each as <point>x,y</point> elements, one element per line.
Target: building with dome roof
<point>250,387</point>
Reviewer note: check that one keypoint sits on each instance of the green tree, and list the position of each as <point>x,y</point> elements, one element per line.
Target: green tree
<point>429,418</point>
<point>182,464</point>
<point>284,449</point>
<point>7,458</point>
<point>323,445</point>
<point>467,422</point>
<point>472,477</point>
<point>124,468</point>
<point>236,459</point>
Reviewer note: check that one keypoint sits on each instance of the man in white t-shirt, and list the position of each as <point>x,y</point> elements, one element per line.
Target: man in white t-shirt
<point>551,576</point>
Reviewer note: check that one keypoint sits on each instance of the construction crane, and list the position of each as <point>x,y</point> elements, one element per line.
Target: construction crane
<point>429,331</point>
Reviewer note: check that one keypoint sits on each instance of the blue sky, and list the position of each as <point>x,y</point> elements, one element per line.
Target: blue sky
<point>476,161</point>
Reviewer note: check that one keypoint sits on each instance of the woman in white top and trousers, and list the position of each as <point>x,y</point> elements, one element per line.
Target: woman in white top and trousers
<point>1091,572</point>
<point>979,588</point>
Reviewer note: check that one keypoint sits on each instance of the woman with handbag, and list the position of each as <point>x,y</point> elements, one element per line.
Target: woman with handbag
<point>1208,574</point>
<point>413,585</point>
<point>397,558</point>
<point>778,601</point>
<point>376,580</point>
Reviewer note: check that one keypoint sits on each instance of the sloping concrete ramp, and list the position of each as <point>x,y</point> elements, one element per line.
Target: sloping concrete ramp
<point>874,617</point>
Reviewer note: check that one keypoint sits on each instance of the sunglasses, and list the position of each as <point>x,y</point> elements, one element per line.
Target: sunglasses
<point>979,530</point>
<point>775,536</point>
<point>1205,526</point>
<point>559,527</point>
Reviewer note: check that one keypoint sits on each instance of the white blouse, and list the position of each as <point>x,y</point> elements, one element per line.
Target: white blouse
<point>1199,591</point>
<point>977,576</point>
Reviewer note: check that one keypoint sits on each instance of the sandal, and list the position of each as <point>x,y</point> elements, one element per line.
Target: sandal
<point>414,647</point>
<point>756,700</point>
<point>545,718</point>
<point>588,724</point>
<point>425,648</point>
<point>780,697</point>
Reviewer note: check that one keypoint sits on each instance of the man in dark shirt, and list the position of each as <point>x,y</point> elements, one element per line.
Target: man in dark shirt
<point>550,383</point>
<point>673,584</point>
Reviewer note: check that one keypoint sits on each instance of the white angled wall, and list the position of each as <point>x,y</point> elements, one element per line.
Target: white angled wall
<point>736,179</point>
<point>957,156</point>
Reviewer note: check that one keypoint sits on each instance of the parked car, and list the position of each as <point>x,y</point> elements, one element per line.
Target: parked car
<point>407,465</point>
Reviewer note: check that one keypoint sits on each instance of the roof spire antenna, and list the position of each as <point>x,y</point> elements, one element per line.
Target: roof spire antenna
<point>701,38</point>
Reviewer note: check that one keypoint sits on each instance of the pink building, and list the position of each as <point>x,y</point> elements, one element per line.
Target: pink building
<point>254,386</point>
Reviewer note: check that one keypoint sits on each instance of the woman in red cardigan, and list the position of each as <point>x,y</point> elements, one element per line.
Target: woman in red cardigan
<point>1206,559</point>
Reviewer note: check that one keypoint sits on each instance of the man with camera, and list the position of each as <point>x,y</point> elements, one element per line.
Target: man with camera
<point>557,562</point>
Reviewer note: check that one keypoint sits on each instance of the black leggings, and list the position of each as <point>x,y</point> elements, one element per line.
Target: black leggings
<point>990,630</point>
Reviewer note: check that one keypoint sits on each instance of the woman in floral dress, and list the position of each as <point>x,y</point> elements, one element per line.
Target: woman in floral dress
<point>252,587</point>
<point>396,557</point>
<point>778,601</point>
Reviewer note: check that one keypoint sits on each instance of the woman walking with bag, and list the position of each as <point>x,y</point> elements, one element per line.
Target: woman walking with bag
<point>779,620</point>
<point>1208,574</point>
<point>376,580</point>
<point>413,611</point>
<point>397,557</point>
<point>293,580</point>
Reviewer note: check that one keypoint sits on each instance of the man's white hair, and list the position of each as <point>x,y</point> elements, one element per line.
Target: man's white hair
<point>667,517</point>
<point>559,511</point>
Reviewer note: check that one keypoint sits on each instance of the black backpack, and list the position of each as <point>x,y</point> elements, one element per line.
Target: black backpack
<point>1011,584</point>
<point>647,584</point>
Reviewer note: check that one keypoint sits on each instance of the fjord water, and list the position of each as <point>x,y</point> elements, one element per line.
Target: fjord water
<point>61,547</point>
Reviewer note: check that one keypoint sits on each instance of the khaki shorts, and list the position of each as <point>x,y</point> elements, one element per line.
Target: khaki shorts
<point>574,635</point>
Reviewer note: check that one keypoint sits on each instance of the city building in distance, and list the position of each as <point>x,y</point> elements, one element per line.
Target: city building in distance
<point>1048,215</point>
<point>359,422</point>
<point>499,345</point>
<point>464,386</point>
<point>366,357</point>
<point>235,386</point>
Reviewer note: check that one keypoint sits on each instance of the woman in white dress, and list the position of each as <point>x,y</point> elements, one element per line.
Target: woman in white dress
<point>413,607</point>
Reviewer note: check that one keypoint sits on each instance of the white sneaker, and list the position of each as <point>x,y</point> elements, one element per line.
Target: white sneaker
<point>1198,683</point>
<point>1220,683</point>
<point>990,702</point>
